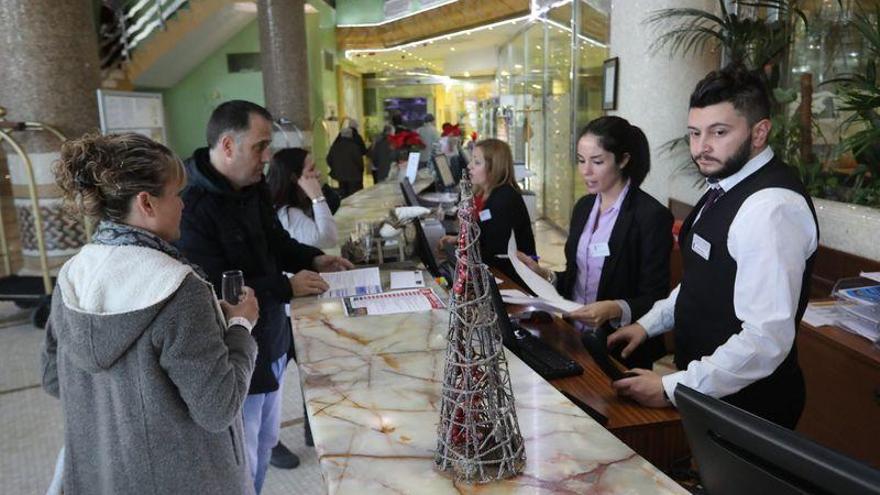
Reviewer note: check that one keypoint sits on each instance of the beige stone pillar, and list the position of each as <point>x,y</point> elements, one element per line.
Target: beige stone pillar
<point>654,89</point>
<point>285,62</point>
<point>49,73</point>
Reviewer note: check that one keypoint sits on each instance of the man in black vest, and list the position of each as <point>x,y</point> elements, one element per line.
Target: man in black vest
<point>748,248</point>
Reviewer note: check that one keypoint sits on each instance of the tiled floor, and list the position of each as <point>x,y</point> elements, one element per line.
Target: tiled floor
<point>31,430</point>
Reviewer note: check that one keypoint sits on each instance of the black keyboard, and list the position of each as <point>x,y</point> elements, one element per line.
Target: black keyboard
<point>542,358</point>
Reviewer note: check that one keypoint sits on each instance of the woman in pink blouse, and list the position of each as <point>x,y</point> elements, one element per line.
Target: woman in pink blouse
<point>620,238</point>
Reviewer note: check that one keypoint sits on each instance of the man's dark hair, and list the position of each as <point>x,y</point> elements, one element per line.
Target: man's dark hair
<point>744,89</point>
<point>233,115</point>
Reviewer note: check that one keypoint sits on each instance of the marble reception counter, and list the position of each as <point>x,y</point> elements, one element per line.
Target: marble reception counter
<point>372,391</point>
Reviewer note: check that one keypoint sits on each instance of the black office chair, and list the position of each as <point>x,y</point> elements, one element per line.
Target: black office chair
<point>740,453</point>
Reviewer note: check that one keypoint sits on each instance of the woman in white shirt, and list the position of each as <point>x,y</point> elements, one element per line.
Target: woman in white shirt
<point>300,204</point>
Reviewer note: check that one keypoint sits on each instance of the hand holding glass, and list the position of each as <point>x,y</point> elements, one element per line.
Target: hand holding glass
<point>232,286</point>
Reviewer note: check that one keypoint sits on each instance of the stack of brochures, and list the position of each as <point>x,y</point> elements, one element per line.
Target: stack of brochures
<point>858,303</point>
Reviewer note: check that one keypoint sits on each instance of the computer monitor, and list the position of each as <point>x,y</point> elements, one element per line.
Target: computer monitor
<point>409,194</point>
<point>504,325</point>
<point>738,452</point>
<point>425,252</point>
<point>441,164</point>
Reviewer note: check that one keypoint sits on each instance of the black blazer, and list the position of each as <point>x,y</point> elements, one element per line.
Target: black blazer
<point>509,214</point>
<point>637,270</point>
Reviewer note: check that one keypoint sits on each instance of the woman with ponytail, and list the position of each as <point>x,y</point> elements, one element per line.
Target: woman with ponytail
<point>620,238</point>
<point>151,371</point>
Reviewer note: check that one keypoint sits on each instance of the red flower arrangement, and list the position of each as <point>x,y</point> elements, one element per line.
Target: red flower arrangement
<point>406,140</point>
<point>451,130</point>
<point>474,136</point>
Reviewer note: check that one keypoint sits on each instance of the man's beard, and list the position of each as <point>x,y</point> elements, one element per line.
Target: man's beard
<point>732,165</point>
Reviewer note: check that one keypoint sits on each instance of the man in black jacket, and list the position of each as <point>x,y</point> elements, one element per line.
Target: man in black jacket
<point>346,160</point>
<point>229,224</point>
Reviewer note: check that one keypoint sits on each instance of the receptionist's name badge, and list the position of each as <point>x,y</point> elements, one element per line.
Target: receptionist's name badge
<point>485,215</point>
<point>701,246</point>
<point>599,250</point>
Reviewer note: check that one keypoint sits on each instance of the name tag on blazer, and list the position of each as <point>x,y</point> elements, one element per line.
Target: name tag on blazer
<point>599,250</point>
<point>701,246</point>
<point>485,215</point>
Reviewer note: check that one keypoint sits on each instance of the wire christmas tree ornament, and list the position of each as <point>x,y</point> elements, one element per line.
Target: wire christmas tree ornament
<point>478,437</point>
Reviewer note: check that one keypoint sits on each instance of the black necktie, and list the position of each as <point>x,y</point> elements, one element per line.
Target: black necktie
<point>712,196</point>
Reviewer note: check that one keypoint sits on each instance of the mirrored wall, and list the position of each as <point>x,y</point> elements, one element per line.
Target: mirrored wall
<point>549,79</point>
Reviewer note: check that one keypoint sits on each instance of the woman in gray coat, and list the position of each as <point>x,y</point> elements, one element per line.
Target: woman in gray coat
<point>151,370</point>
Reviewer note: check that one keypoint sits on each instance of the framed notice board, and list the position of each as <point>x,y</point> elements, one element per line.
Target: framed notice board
<point>132,111</point>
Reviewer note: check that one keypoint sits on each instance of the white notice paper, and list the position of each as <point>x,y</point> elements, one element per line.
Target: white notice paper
<point>352,282</point>
<point>547,295</point>
<point>407,279</point>
<point>412,166</point>
<point>820,314</point>
<point>392,302</point>
<point>875,276</point>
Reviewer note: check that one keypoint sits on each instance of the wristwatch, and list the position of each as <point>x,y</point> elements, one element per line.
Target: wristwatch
<point>319,199</point>
<point>240,320</point>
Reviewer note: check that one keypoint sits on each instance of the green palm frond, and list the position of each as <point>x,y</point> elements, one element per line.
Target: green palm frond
<point>751,42</point>
<point>868,25</point>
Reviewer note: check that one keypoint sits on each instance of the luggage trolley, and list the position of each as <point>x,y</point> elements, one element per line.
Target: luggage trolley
<point>29,291</point>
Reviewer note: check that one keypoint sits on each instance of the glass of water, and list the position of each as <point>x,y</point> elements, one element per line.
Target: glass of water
<point>232,286</point>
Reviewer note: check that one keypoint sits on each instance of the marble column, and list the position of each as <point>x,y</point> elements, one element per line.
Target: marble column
<point>49,73</point>
<point>285,64</point>
<point>654,89</point>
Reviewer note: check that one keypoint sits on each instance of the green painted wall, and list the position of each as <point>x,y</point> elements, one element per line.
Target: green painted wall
<point>360,11</point>
<point>366,11</point>
<point>189,104</point>
<point>321,37</point>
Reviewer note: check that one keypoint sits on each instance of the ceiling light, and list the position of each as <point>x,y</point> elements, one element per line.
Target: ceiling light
<point>349,53</point>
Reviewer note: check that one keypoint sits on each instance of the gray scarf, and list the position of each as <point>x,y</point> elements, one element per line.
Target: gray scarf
<point>111,233</point>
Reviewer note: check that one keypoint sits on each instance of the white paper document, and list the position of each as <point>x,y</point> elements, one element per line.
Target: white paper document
<point>439,197</point>
<point>548,299</point>
<point>513,293</point>
<point>875,276</point>
<point>352,282</point>
<point>819,314</point>
<point>412,166</point>
<point>392,302</point>
<point>407,279</point>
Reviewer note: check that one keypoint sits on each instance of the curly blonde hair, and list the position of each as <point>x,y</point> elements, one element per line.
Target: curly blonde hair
<point>100,175</point>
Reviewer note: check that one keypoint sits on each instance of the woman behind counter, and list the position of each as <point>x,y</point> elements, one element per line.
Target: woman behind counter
<point>620,238</point>
<point>499,204</point>
<point>151,374</point>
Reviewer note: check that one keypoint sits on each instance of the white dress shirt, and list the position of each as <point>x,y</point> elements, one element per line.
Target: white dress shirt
<point>319,232</point>
<point>771,237</point>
